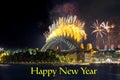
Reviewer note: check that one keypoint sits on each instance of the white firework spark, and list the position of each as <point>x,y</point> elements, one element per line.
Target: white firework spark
<point>100,32</point>
<point>108,29</point>
<point>98,29</point>
<point>105,26</point>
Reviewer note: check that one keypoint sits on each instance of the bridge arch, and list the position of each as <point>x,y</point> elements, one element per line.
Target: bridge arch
<point>69,43</point>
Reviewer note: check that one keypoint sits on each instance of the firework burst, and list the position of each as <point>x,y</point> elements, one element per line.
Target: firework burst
<point>105,26</point>
<point>98,30</point>
<point>108,29</point>
<point>69,27</point>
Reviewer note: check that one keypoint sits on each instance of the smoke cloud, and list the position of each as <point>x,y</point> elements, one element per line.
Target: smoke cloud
<point>64,10</point>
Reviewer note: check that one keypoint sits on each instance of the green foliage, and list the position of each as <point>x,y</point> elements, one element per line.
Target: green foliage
<point>32,55</point>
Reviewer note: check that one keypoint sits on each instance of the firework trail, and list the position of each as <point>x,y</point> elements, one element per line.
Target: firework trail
<point>99,31</point>
<point>108,29</point>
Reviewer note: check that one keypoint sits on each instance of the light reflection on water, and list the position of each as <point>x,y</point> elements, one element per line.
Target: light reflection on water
<point>4,65</point>
<point>22,72</point>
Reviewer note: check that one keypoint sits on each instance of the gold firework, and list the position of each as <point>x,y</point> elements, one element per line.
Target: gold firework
<point>69,27</point>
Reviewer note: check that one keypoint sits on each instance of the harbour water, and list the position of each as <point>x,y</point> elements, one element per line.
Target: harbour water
<point>23,72</point>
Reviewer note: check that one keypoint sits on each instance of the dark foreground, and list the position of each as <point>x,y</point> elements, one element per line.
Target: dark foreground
<point>23,72</point>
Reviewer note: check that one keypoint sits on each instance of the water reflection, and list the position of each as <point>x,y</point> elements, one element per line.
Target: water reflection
<point>22,72</point>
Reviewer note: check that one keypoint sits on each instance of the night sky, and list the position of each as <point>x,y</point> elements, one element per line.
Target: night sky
<point>23,23</point>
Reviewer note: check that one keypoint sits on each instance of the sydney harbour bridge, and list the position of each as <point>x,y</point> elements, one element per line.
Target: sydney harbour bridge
<point>67,33</point>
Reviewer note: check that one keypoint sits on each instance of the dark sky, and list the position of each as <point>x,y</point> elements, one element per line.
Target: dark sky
<point>23,23</point>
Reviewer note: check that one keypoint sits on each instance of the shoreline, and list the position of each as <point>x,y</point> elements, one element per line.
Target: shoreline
<point>58,63</point>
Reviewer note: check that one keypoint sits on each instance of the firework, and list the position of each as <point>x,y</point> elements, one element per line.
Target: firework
<point>69,27</point>
<point>98,30</point>
<point>108,29</point>
<point>105,26</point>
